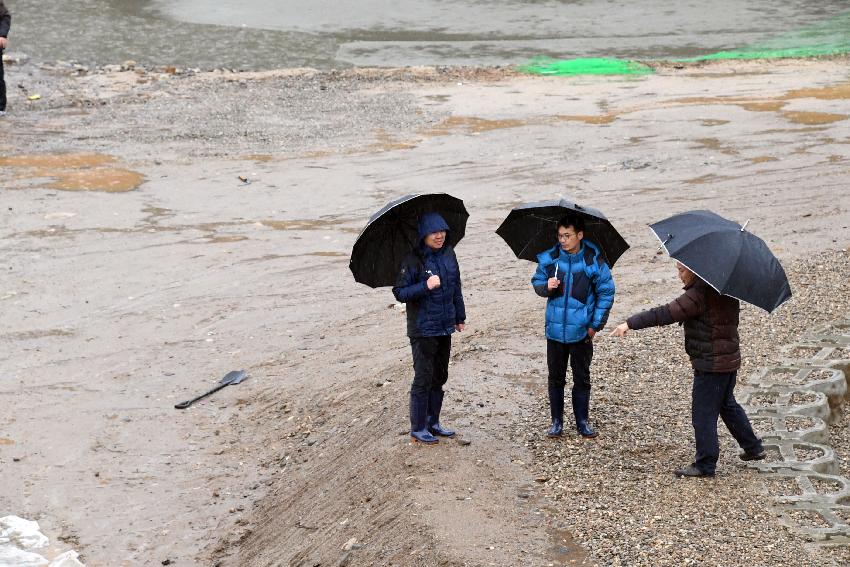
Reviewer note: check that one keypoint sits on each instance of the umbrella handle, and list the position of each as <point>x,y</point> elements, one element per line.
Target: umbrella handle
<point>663,244</point>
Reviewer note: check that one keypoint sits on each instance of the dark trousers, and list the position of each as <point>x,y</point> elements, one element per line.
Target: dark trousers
<point>430,363</point>
<point>713,396</point>
<point>2,84</point>
<point>578,356</point>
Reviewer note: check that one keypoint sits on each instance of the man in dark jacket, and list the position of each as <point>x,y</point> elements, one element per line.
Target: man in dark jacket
<point>429,283</point>
<point>711,341</point>
<point>579,289</point>
<point>5,23</point>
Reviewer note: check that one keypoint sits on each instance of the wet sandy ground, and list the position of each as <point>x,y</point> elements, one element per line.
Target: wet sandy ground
<point>138,268</point>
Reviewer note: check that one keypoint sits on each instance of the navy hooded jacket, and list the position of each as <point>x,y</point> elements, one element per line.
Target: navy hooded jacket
<point>431,312</point>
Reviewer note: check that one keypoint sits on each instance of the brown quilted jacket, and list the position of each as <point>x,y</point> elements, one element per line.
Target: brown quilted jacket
<point>711,326</point>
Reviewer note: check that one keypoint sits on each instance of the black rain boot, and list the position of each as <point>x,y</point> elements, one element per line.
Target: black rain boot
<point>556,408</point>
<point>419,419</point>
<point>435,405</point>
<point>581,409</point>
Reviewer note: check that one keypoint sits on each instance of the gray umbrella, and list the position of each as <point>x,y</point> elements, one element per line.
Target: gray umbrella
<point>733,261</point>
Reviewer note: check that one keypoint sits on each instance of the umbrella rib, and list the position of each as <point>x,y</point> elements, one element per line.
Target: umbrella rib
<point>530,241</point>
<point>663,245</point>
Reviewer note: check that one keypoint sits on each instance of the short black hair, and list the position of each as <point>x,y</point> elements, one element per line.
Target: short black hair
<point>574,221</point>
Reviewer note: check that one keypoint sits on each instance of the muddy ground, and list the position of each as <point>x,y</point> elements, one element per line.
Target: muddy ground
<point>161,227</point>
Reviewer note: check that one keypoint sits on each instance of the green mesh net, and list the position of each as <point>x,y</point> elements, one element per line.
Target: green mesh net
<point>830,37</point>
<point>584,66</point>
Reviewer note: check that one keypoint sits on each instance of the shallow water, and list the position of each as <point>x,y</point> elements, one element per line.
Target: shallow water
<point>263,34</point>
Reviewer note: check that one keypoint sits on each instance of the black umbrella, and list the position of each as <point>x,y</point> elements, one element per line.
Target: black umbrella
<point>393,231</point>
<point>532,228</point>
<point>733,261</point>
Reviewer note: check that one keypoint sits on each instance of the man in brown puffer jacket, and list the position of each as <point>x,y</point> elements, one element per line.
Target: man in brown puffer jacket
<point>711,341</point>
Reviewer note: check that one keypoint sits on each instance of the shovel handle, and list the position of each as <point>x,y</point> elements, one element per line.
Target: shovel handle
<point>187,403</point>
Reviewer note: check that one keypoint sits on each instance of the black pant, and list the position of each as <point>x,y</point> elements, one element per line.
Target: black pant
<point>712,396</point>
<point>578,355</point>
<point>430,363</point>
<point>2,85</point>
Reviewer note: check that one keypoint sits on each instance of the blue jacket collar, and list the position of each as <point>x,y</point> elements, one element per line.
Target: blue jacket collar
<point>549,256</point>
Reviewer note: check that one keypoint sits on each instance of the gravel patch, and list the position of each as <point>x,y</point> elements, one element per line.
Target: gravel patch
<point>799,423</point>
<point>824,486</point>
<point>807,518</point>
<point>802,352</point>
<point>800,398</point>
<point>299,112</point>
<point>807,453</point>
<point>782,486</point>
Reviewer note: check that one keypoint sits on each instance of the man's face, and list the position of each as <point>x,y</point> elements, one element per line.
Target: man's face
<point>685,274</point>
<point>436,240</point>
<point>569,239</point>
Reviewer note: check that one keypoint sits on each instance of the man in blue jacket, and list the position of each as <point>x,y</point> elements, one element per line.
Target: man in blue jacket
<point>429,283</point>
<point>577,282</point>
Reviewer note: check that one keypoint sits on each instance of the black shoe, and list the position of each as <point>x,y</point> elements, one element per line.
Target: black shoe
<point>437,429</point>
<point>557,428</point>
<point>423,436</point>
<point>747,456</point>
<point>585,430</point>
<point>692,471</point>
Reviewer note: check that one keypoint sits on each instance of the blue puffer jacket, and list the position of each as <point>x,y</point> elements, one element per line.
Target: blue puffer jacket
<point>585,296</point>
<point>434,312</point>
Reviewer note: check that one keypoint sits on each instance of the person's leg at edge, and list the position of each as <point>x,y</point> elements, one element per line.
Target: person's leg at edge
<point>581,355</point>
<point>557,356</point>
<point>424,354</point>
<point>738,424</point>
<point>2,85</point>
<point>436,393</point>
<point>706,398</point>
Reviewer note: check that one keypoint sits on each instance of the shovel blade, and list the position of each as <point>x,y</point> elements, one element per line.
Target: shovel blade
<point>233,377</point>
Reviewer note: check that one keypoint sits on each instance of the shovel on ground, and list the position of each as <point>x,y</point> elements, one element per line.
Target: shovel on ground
<point>232,377</point>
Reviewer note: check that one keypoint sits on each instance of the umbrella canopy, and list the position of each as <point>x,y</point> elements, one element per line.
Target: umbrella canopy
<point>393,232</point>
<point>532,228</point>
<point>733,261</point>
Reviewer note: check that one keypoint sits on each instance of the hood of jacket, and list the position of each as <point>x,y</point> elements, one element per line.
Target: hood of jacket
<point>431,222</point>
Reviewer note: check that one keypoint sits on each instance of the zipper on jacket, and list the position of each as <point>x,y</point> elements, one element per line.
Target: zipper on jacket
<point>567,292</point>
<point>441,263</point>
